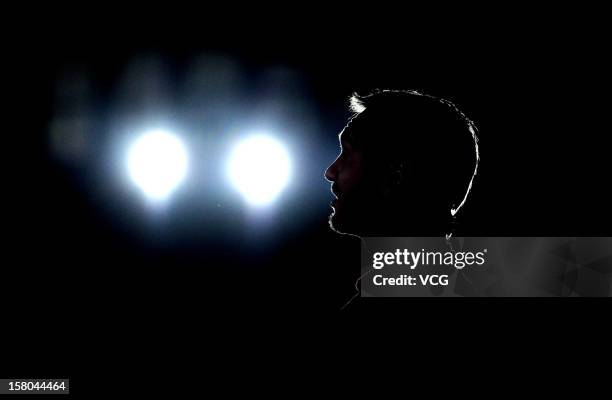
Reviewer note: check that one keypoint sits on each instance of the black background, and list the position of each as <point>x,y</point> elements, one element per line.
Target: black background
<point>533,80</point>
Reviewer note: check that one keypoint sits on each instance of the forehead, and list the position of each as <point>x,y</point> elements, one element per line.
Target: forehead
<point>348,134</point>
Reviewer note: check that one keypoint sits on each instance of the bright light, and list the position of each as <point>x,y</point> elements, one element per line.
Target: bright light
<point>157,163</point>
<point>259,168</point>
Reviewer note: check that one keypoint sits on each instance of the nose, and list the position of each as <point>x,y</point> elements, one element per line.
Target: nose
<point>331,173</point>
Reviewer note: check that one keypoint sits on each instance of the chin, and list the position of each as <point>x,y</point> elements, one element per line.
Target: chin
<point>339,225</point>
<point>335,223</point>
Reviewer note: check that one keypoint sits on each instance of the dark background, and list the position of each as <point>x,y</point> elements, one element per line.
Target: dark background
<point>532,80</point>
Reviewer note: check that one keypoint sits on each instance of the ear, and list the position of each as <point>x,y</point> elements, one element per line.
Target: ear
<point>395,176</point>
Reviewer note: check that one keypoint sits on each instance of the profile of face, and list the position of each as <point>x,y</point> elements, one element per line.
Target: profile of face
<point>406,165</point>
<point>350,183</point>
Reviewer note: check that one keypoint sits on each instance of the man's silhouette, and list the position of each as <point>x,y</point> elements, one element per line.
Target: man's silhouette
<point>406,166</point>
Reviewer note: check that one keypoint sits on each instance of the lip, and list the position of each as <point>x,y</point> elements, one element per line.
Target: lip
<point>334,202</point>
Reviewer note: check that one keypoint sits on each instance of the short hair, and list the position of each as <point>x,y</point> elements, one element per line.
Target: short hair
<point>428,133</point>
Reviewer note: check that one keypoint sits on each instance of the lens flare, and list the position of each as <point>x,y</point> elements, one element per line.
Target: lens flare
<point>259,168</point>
<point>157,164</point>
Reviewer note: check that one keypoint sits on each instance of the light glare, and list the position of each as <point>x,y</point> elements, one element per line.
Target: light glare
<point>157,164</point>
<point>259,168</point>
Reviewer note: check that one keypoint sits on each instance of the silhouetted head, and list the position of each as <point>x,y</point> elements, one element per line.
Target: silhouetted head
<point>406,166</point>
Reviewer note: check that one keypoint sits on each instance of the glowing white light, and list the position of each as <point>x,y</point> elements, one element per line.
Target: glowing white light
<point>157,163</point>
<point>259,168</point>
